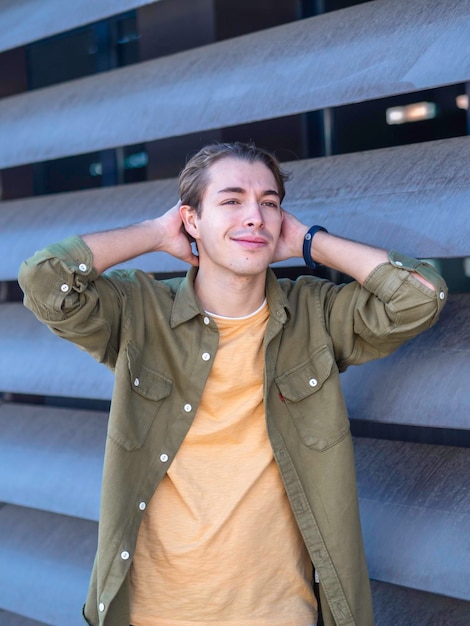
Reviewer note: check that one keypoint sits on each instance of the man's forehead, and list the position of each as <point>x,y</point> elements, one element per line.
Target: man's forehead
<point>231,174</point>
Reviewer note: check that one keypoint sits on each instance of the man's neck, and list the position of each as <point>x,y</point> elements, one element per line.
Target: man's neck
<point>230,296</point>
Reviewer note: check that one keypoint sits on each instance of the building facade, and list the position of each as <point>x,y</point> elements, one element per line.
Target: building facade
<point>367,104</point>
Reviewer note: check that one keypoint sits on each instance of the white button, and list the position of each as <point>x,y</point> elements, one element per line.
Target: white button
<point>442,295</point>
<point>206,356</point>
<point>82,267</point>
<point>398,263</point>
<point>206,320</point>
<point>64,287</point>
<point>125,555</point>
<point>163,458</point>
<point>101,607</point>
<point>142,506</point>
<point>136,382</point>
<point>187,408</point>
<point>313,382</point>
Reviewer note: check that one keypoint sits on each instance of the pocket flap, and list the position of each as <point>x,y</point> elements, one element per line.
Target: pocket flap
<point>145,381</point>
<point>306,378</point>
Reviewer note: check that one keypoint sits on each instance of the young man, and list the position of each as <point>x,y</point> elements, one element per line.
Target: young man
<point>229,466</point>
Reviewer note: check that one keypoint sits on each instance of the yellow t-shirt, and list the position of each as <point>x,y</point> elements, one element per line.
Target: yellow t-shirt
<point>218,542</point>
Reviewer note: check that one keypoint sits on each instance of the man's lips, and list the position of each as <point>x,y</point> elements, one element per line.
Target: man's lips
<point>250,241</point>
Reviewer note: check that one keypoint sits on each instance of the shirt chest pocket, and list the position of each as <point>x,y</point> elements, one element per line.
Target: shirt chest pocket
<point>139,401</point>
<point>312,396</point>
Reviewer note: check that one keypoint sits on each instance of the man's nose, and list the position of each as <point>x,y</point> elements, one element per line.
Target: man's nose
<point>253,215</point>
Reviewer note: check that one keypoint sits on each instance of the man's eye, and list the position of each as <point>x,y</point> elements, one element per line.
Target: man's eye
<point>271,204</point>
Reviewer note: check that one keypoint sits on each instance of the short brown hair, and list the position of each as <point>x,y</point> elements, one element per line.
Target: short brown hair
<point>193,178</point>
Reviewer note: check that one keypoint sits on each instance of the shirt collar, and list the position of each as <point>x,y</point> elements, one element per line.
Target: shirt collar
<point>186,305</point>
<point>278,303</point>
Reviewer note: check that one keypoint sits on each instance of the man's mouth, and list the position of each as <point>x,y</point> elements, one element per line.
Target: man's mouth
<point>250,241</point>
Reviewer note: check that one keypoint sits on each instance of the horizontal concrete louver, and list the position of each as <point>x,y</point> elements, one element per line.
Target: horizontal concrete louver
<point>319,62</point>
<point>410,198</point>
<point>437,363</point>
<point>415,515</point>
<point>55,368</point>
<point>414,497</point>
<point>51,459</point>
<point>437,358</point>
<point>26,21</point>
<point>401,605</point>
<point>13,619</point>
<point>46,563</point>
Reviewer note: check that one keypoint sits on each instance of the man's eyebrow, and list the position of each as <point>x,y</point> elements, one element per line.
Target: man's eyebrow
<point>268,192</point>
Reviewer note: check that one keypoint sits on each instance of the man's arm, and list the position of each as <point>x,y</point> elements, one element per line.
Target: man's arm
<point>349,257</point>
<point>61,287</point>
<point>162,234</point>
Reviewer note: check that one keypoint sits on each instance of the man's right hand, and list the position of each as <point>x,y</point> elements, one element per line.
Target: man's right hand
<point>176,240</point>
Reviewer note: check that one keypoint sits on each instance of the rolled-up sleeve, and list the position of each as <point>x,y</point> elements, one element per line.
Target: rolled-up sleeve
<point>402,291</point>
<point>393,306</point>
<point>64,291</point>
<point>53,278</point>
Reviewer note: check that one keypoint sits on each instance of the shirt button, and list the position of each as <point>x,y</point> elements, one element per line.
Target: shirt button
<point>206,356</point>
<point>206,320</point>
<point>82,267</point>
<point>313,382</point>
<point>136,382</point>
<point>142,506</point>
<point>442,295</point>
<point>187,408</point>
<point>64,287</point>
<point>101,607</point>
<point>398,263</point>
<point>125,555</point>
<point>163,458</point>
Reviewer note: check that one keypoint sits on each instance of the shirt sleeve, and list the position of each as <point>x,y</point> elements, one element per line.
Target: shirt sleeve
<point>393,306</point>
<point>64,291</point>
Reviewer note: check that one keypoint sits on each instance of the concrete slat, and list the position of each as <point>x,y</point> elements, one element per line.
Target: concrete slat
<point>424,383</point>
<point>25,21</point>
<point>398,606</point>
<point>412,198</point>
<point>51,459</point>
<point>55,368</point>
<point>368,51</point>
<point>13,619</point>
<point>415,512</point>
<point>46,562</point>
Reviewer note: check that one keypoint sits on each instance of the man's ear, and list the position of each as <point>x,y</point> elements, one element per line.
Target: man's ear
<point>189,219</point>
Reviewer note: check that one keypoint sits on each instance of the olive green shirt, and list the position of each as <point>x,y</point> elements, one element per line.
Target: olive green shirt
<point>153,334</point>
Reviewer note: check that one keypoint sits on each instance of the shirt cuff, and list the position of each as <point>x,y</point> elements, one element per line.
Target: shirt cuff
<point>386,278</point>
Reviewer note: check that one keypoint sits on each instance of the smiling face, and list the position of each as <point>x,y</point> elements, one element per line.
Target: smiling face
<point>239,224</point>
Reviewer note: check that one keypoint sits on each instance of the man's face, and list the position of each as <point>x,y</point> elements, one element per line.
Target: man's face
<point>240,221</point>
